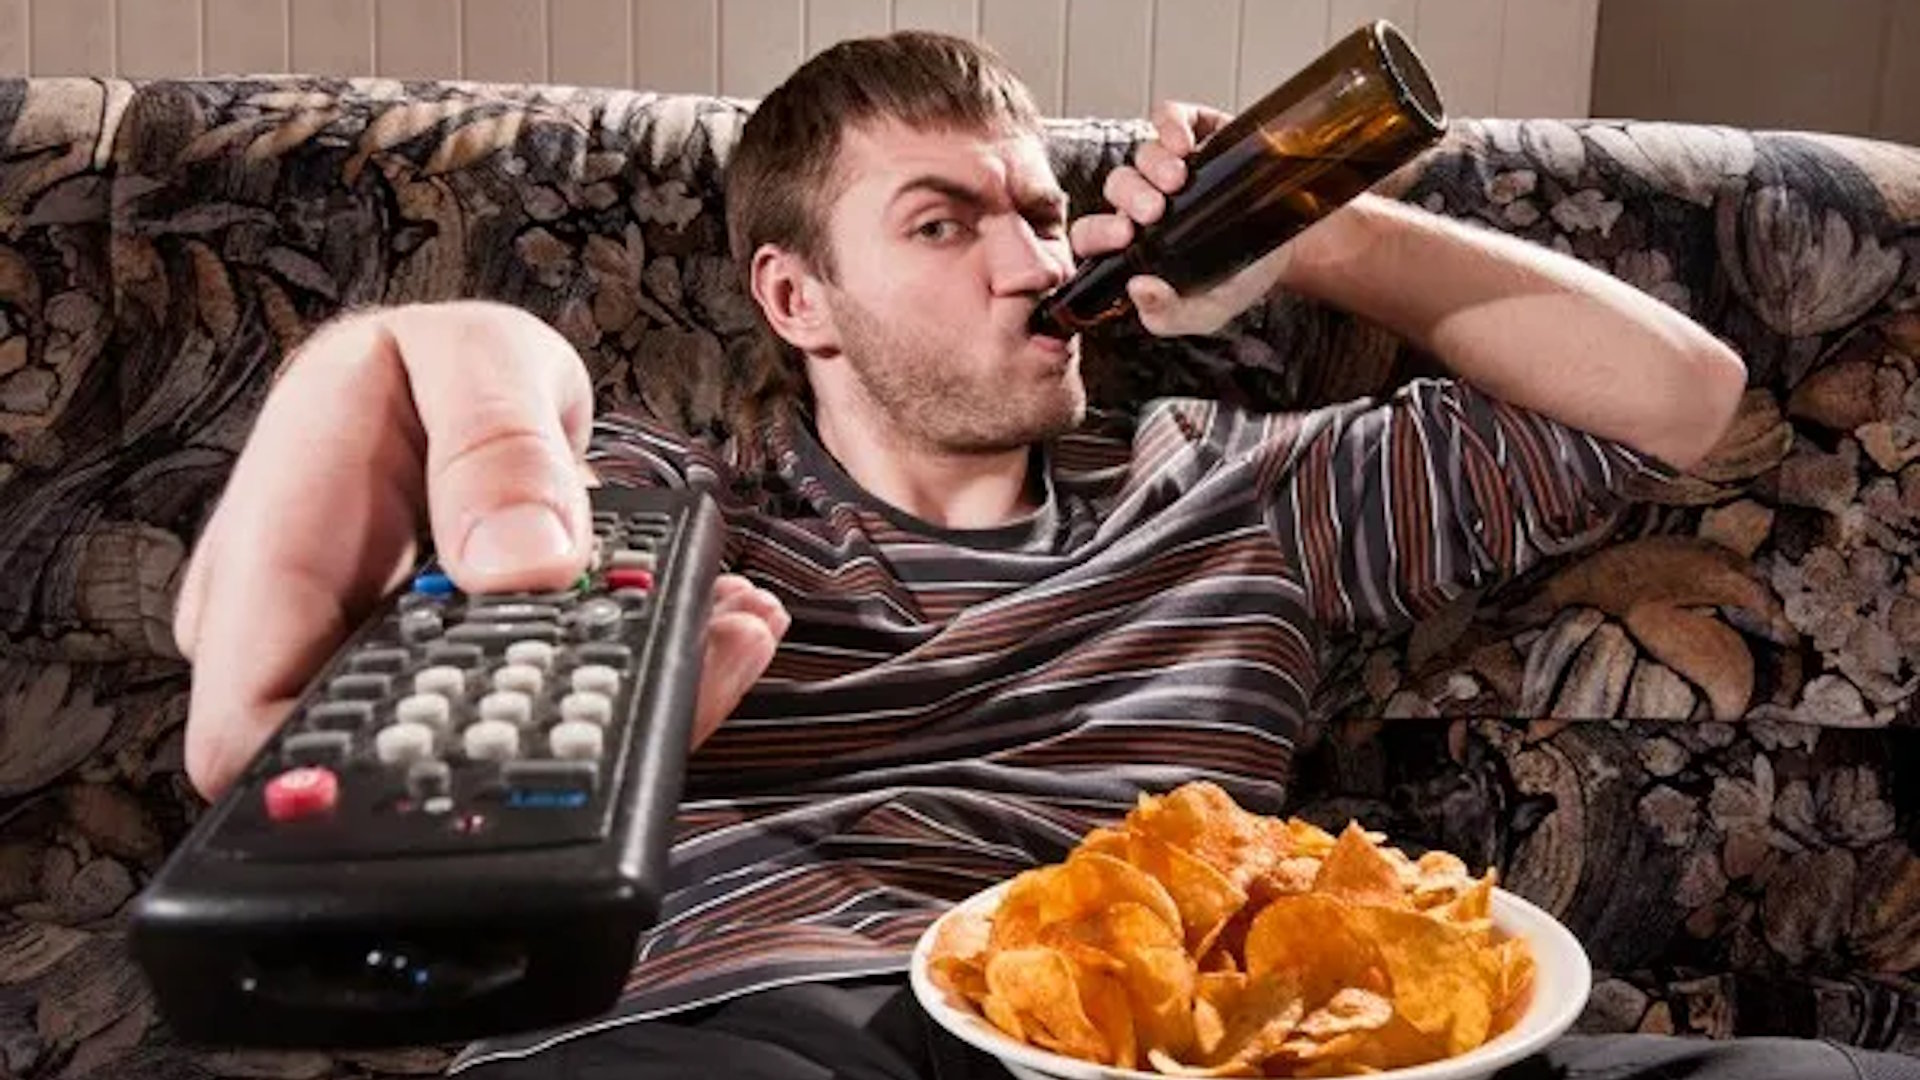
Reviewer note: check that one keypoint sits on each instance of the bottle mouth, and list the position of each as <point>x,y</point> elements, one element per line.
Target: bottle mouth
<point>1412,83</point>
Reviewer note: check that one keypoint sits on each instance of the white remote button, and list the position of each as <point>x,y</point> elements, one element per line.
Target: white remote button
<point>492,740</point>
<point>585,706</point>
<point>524,678</point>
<point>575,740</point>
<point>403,744</point>
<point>629,559</point>
<point>534,654</point>
<point>508,707</point>
<point>447,681</point>
<point>597,678</point>
<point>430,710</point>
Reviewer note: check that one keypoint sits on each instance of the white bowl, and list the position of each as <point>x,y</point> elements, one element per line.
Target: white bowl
<point>1561,981</point>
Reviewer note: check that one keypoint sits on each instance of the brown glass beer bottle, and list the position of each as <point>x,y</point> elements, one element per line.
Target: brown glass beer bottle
<point>1363,109</point>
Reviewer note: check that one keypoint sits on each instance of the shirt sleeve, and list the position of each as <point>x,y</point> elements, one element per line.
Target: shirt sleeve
<point>1392,510</point>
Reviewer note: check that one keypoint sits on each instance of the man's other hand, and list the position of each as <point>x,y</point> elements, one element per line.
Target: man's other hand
<point>1138,193</point>
<point>474,416</point>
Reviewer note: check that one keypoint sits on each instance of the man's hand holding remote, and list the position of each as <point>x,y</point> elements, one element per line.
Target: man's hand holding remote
<point>475,415</point>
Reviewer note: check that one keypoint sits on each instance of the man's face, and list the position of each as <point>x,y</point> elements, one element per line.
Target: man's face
<point>942,242</point>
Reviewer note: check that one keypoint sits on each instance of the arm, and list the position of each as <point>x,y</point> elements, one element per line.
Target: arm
<point>1538,329</point>
<point>470,416</point>
<point>1529,325</point>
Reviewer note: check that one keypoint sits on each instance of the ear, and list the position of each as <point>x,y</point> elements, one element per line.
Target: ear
<point>794,300</point>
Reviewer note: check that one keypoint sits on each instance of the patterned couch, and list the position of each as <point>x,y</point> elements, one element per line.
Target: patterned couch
<point>1692,736</point>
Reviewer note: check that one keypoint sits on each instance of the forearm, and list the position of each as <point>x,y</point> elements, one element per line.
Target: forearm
<point>1531,326</point>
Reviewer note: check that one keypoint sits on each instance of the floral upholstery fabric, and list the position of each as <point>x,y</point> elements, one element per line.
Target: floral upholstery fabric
<point>1692,737</point>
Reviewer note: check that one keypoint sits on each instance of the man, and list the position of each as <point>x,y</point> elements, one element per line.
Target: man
<point>966,621</point>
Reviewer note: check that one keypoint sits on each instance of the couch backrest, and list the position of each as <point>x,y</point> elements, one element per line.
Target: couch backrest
<point>168,243</point>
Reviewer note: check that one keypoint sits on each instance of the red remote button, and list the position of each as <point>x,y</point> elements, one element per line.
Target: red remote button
<point>302,792</point>
<point>629,578</point>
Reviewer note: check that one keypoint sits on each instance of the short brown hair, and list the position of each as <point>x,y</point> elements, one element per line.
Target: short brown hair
<point>781,176</point>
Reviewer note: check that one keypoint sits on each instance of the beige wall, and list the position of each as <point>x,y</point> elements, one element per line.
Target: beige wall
<point>1848,66</point>
<point>1084,57</point>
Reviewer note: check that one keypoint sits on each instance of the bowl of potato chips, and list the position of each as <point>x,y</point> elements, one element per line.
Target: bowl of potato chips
<point>1197,939</point>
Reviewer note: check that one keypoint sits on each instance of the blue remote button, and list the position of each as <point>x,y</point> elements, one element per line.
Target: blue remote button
<point>433,584</point>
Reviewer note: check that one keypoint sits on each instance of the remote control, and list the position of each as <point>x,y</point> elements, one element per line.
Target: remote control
<point>462,827</point>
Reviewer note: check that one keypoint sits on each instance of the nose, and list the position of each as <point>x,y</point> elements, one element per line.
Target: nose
<point>1026,263</point>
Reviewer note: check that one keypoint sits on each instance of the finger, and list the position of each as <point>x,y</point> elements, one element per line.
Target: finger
<point>190,597</point>
<point>1161,166</point>
<point>1130,193</point>
<point>1151,295</point>
<point>1165,313</point>
<point>318,518</point>
<point>1207,122</point>
<point>768,608</point>
<point>1097,234</point>
<point>1183,126</point>
<point>729,586</point>
<point>1173,126</point>
<point>741,641</point>
<point>735,595</point>
<point>321,515</point>
<point>507,407</point>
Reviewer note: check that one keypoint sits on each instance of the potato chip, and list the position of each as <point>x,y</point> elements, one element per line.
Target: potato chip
<point>958,961</point>
<point>1086,882</point>
<point>1514,984</point>
<point>1107,1003</point>
<point>1352,1009</point>
<point>1319,940</point>
<point>1440,870</point>
<point>1219,960</point>
<point>1200,940</point>
<point>1438,984</point>
<point>1214,994</point>
<point>1238,1023</point>
<point>1288,876</point>
<point>1356,870</point>
<point>1471,905</point>
<point>1258,1018</point>
<point>1093,882</point>
<point>1395,1044</point>
<point>1205,897</point>
<point>1149,964</point>
<point>1038,988</point>
<point>1203,820</point>
<point>1104,841</point>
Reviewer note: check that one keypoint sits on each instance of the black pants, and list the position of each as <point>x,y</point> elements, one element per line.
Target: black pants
<point>875,1030</point>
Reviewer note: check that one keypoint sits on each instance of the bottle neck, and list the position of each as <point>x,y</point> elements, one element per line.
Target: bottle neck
<point>1096,294</point>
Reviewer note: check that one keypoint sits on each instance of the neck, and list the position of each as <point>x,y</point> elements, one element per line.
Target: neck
<point>951,490</point>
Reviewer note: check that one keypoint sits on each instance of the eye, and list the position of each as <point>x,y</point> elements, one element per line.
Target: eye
<point>940,230</point>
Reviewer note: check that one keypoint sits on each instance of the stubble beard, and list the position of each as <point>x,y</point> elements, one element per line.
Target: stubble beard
<point>914,385</point>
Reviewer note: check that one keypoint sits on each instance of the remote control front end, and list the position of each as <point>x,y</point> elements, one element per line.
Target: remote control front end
<point>462,828</point>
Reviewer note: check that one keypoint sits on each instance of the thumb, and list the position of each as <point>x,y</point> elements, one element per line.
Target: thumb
<point>1162,310</point>
<point>505,406</point>
<point>1151,294</point>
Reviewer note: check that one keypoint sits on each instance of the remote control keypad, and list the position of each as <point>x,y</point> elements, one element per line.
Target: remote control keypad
<point>461,706</point>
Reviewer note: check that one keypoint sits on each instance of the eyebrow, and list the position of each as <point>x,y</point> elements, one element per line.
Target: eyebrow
<point>1052,200</point>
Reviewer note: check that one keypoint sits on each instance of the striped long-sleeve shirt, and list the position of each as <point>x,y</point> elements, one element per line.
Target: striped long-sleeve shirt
<point>951,707</point>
